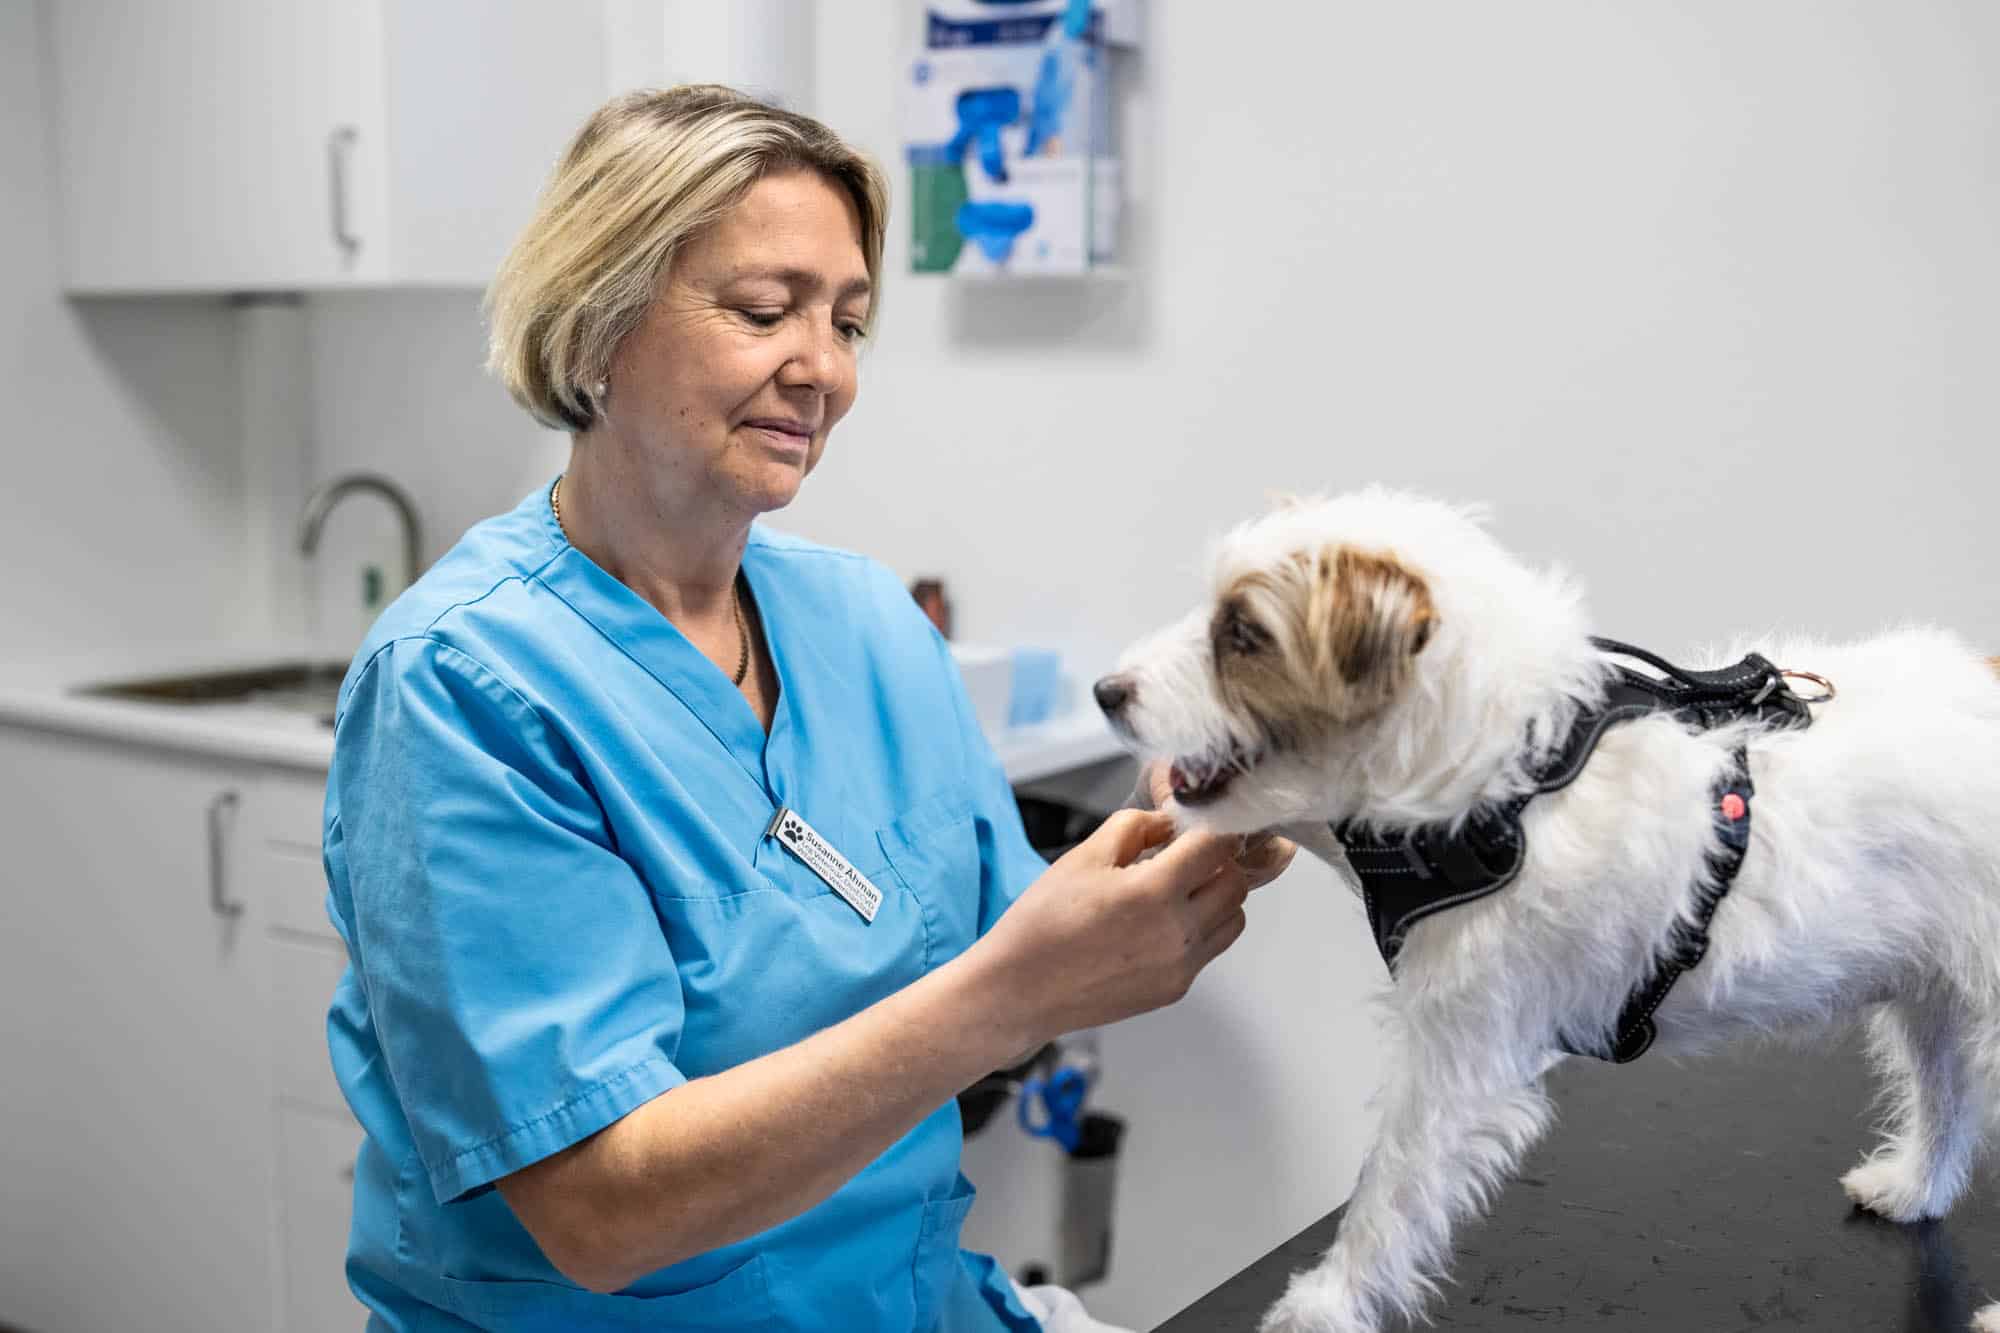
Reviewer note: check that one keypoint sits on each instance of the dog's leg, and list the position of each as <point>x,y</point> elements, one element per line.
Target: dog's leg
<point>1932,1132</point>
<point>1447,1139</point>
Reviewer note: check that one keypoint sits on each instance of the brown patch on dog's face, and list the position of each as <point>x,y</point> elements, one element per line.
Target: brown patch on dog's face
<point>1323,641</point>
<point>1377,615</point>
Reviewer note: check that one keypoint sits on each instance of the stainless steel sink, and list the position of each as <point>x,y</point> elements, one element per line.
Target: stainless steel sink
<point>294,687</point>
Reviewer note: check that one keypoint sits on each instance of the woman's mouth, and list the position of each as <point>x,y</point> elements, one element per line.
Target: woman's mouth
<point>790,436</point>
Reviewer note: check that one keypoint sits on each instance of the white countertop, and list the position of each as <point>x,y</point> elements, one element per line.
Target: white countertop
<point>46,699</point>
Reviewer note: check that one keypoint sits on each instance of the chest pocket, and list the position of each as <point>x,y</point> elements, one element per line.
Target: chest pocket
<point>933,851</point>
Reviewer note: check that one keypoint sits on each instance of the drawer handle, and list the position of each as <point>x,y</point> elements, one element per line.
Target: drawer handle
<point>218,896</point>
<point>339,151</point>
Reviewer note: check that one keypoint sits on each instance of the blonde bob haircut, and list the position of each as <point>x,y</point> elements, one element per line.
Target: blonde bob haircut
<point>646,172</point>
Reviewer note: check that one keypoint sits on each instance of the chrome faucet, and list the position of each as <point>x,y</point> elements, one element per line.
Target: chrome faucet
<point>331,493</point>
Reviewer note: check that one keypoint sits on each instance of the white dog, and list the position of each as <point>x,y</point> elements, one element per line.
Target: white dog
<point>1377,664</point>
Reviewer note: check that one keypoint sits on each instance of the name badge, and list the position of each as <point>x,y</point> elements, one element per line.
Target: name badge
<point>801,840</point>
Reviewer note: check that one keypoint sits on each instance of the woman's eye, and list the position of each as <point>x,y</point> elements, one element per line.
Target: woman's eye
<point>853,332</point>
<point>764,319</point>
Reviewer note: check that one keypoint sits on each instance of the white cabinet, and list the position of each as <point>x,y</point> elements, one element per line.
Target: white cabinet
<point>174,1154</point>
<point>277,861</point>
<point>136,1151</point>
<point>315,1189</point>
<point>238,145</point>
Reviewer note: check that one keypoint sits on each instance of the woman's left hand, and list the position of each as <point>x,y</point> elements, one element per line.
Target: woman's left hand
<point>1264,856</point>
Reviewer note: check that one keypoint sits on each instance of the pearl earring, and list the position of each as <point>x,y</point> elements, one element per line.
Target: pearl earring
<point>597,389</point>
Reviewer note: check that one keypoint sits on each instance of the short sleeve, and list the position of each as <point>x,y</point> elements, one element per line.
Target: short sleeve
<point>521,989</point>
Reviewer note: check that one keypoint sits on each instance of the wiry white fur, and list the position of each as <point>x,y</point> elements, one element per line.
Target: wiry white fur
<point>1872,880</point>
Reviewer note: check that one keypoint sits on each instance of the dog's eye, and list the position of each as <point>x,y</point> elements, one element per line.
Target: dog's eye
<point>1240,634</point>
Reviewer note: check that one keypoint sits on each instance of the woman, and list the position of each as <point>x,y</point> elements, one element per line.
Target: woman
<point>630,1049</point>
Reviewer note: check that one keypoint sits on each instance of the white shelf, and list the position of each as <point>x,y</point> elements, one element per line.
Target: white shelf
<point>1075,740</point>
<point>1102,273</point>
<point>261,734</point>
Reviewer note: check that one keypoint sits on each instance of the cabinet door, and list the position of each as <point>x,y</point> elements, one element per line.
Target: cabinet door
<point>219,144</point>
<point>136,1180</point>
<point>483,99</point>
<point>315,1203</point>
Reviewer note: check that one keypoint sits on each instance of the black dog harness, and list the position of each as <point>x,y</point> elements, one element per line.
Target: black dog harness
<point>1407,876</point>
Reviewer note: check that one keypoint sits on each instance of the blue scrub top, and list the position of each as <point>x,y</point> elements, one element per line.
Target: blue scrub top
<point>545,844</point>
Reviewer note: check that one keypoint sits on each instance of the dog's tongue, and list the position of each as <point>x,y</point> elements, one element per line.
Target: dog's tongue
<point>1178,776</point>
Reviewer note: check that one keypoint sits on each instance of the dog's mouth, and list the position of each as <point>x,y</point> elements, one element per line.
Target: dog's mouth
<point>1204,779</point>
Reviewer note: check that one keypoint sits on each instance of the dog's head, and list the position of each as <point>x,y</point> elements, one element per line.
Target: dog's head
<point>1329,664</point>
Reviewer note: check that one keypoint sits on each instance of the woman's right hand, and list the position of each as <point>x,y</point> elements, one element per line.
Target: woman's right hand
<point>1104,935</point>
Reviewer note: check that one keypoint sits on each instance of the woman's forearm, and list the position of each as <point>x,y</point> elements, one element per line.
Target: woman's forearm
<point>1099,937</point>
<point>729,1155</point>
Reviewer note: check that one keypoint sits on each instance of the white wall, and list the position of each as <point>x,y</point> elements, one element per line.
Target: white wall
<point>1699,297</point>
<point>398,389</point>
<point>1695,296</point>
<point>122,510</point>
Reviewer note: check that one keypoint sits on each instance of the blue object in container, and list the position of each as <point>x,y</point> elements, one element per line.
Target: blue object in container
<point>982,114</point>
<point>1066,51</point>
<point>1061,1096</point>
<point>992,225</point>
<point>1037,674</point>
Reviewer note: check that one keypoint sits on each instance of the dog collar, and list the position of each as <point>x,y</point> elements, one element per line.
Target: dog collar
<point>1407,875</point>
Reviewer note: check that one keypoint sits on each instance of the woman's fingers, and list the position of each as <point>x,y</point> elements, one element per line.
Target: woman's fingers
<point>1214,901</point>
<point>1128,834</point>
<point>1265,857</point>
<point>1188,861</point>
<point>1223,934</point>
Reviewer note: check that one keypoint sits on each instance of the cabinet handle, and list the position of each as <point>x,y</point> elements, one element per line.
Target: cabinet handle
<point>218,900</point>
<point>339,148</point>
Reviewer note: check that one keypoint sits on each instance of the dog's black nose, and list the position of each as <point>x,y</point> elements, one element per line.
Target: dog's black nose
<point>1113,693</point>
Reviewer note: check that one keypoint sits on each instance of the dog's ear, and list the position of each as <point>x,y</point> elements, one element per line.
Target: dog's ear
<point>1371,614</point>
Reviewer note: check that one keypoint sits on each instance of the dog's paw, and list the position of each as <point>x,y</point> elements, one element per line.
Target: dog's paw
<point>1987,1320</point>
<point>1886,1186</point>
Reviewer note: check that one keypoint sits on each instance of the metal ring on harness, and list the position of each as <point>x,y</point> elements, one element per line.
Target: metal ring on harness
<point>1821,681</point>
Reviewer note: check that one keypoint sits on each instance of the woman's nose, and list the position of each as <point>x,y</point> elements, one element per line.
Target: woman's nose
<point>817,361</point>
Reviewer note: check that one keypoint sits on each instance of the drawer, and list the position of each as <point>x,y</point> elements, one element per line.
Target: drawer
<point>291,882</point>
<point>303,976</point>
<point>315,1203</point>
<point>284,810</point>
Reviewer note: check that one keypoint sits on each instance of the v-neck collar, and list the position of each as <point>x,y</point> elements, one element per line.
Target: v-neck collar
<point>789,618</point>
<point>637,628</point>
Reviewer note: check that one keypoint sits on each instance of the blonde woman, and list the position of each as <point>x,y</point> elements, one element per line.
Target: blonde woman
<point>681,891</point>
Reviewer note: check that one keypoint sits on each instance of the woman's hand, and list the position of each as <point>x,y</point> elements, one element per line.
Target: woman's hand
<point>1104,934</point>
<point>1265,855</point>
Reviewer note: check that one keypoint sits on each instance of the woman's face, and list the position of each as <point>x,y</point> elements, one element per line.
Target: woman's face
<point>727,392</point>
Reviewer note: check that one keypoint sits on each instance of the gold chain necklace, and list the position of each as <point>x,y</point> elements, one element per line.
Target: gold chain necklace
<point>736,601</point>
